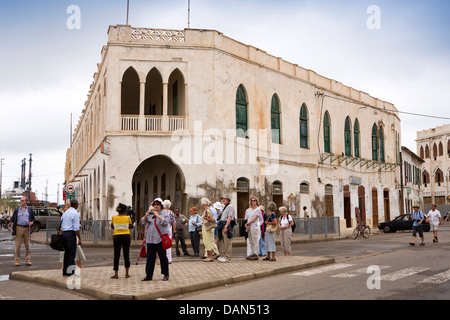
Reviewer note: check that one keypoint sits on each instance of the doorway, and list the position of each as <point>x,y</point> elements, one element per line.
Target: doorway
<point>347,207</point>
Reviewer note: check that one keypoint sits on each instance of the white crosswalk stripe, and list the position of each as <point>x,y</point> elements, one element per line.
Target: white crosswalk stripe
<point>323,269</point>
<point>437,279</point>
<point>402,273</point>
<point>355,273</point>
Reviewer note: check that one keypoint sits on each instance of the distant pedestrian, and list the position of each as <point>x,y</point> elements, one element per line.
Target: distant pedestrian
<point>418,218</point>
<point>121,224</point>
<point>70,227</point>
<point>181,222</point>
<point>208,223</point>
<point>195,230</point>
<point>21,222</point>
<point>285,225</point>
<point>271,229</point>
<point>434,216</point>
<point>252,226</point>
<point>225,230</point>
<point>172,226</point>
<point>79,256</point>
<point>262,239</point>
<point>158,219</point>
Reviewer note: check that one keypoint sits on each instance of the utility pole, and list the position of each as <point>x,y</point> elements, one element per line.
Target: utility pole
<point>1,169</point>
<point>128,9</point>
<point>189,14</point>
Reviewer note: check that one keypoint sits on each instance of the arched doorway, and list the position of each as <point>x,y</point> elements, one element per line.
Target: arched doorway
<point>242,197</point>
<point>375,206</point>
<point>347,207</point>
<point>171,183</point>
<point>387,207</point>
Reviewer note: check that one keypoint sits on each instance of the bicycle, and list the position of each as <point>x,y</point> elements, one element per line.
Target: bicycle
<point>361,229</point>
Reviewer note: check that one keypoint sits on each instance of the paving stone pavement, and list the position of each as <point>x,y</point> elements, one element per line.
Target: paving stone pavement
<point>97,282</point>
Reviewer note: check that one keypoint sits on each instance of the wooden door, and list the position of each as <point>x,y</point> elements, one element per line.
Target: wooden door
<point>375,206</point>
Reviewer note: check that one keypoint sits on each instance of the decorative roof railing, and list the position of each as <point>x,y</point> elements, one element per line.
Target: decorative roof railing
<point>157,34</point>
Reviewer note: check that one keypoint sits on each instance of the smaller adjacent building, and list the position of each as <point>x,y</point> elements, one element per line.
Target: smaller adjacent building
<point>412,188</point>
<point>433,146</point>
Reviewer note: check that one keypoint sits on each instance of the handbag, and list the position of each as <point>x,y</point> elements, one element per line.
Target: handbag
<point>210,224</point>
<point>271,228</point>
<point>57,242</point>
<point>165,239</point>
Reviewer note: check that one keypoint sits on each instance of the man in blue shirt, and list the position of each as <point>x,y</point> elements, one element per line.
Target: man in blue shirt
<point>21,223</point>
<point>418,218</point>
<point>70,227</point>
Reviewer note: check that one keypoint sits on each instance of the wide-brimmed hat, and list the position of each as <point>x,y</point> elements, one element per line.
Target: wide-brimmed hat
<point>194,209</point>
<point>157,201</point>
<point>218,205</point>
<point>416,206</point>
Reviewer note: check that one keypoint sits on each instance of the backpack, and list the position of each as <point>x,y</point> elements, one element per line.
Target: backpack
<point>294,225</point>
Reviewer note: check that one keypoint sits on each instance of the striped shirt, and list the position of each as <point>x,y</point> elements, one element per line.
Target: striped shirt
<point>121,224</point>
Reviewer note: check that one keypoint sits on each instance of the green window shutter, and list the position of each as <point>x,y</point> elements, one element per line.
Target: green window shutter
<point>241,113</point>
<point>348,137</point>
<point>304,127</point>
<point>275,120</point>
<point>326,132</point>
<point>374,143</point>
<point>356,138</point>
<point>381,139</point>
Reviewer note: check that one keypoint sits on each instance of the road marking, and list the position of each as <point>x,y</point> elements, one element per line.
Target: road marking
<point>355,273</point>
<point>402,273</point>
<point>4,277</point>
<point>322,269</point>
<point>437,279</point>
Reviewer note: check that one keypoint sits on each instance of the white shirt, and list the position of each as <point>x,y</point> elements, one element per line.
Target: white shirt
<point>70,220</point>
<point>285,222</point>
<point>250,215</point>
<point>434,216</point>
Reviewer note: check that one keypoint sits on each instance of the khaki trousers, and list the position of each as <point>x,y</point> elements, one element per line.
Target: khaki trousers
<point>22,235</point>
<point>224,246</point>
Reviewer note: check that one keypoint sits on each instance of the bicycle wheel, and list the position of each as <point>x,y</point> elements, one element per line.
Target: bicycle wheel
<point>355,233</point>
<point>366,233</point>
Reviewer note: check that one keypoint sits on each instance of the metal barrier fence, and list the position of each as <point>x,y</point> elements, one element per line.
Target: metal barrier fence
<point>100,230</point>
<point>304,227</point>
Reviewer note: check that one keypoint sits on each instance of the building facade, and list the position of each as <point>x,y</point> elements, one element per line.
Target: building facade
<point>433,146</point>
<point>182,114</point>
<point>411,180</point>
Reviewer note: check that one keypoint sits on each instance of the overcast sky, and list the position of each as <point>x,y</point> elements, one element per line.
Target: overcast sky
<point>47,68</point>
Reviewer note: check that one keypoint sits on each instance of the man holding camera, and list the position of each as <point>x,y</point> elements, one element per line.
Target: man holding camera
<point>418,218</point>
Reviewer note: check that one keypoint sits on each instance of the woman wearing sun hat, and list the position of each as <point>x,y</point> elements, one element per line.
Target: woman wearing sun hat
<point>160,218</point>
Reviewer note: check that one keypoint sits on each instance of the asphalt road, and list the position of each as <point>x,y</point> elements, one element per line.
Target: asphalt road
<point>383,267</point>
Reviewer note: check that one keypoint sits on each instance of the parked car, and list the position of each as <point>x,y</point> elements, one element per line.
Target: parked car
<point>42,215</point>
<point>402,222</point>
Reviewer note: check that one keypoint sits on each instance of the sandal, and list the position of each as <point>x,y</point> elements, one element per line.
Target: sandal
<point>146,279</point>
<point>115,277</point>
<point>266,259</point>
<point>273,259</point>
<point>207,260</point>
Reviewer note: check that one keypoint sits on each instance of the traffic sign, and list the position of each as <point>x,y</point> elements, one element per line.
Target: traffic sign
<point>70,188</point>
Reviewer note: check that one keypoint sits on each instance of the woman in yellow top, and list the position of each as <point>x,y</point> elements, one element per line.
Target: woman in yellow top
<point>121,224</point>
<point>208,235</point>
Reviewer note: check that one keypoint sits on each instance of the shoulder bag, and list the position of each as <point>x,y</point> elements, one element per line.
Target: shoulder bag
<point>166,241</point>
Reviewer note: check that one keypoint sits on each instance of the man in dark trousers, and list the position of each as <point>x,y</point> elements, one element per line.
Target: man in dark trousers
<point>21,223</point>
<point>70,227</point>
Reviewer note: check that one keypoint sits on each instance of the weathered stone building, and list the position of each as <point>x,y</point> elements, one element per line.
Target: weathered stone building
<point>192,113</point>
<point>433,146</point>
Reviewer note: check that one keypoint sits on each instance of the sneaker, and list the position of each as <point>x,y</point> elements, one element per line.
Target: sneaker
<point>412,244</point>
<point>422,244</point>
<point>221,259</point>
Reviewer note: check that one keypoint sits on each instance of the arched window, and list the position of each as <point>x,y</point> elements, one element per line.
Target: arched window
<point>304,127</point>
<point>241,113</point>
<point>439,176</point>
<point>427,152</point>
<point>441,149</point>
<point>374,143</point>
<point>275,119</point>
<point>422,155</point>
<point>327,132</point>
<point>435,150</point>
<point>381,138</point>
<point>130,92</point>
<point>348,137</point>
<point>356,138</point>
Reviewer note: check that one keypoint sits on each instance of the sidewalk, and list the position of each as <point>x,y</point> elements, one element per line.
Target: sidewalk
<point>96,281</point>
